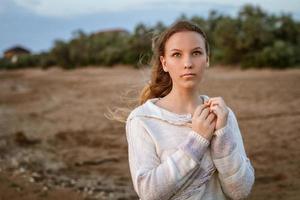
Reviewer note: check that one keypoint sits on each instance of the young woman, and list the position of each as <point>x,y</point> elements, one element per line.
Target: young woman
<point>183,145</point>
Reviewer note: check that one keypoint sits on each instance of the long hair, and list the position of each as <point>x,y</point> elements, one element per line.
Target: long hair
<point>161,83</point>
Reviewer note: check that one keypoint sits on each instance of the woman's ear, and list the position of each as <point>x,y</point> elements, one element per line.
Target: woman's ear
<point>207,62</point>
<point>163,63</point>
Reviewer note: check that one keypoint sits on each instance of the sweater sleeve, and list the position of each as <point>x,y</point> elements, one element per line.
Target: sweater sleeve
<point>236,173</point>
<point>153,179</point>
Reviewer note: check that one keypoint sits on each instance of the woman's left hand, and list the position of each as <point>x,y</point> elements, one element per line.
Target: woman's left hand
<point>219,108</point>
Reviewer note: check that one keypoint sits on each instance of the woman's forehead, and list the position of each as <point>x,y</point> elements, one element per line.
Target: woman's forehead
<point>185,40</point>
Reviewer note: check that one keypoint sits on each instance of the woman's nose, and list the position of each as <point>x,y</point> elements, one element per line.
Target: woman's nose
<point>188,63</point>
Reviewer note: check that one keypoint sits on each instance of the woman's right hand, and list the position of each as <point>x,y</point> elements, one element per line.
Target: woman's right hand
<point>204,121</point>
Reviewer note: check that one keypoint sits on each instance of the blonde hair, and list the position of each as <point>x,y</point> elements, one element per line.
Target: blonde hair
<point>160,83</point>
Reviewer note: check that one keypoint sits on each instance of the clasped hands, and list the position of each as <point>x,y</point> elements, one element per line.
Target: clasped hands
<point>210,116</point>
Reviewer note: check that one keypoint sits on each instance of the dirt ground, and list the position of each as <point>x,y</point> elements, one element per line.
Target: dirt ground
<point>55,142</point>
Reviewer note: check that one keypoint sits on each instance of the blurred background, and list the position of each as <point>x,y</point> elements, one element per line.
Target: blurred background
<point>64,63</point>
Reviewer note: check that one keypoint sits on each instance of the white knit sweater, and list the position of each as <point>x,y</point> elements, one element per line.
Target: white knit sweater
<point>168,160</point>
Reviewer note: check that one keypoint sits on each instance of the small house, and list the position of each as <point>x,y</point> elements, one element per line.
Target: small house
<point>13,53</point>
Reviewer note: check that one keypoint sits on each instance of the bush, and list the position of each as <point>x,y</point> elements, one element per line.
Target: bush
<point>6,64</point>
<point>279,55</point>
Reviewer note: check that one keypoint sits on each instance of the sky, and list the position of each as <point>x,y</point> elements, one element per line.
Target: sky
<point>36,24</point>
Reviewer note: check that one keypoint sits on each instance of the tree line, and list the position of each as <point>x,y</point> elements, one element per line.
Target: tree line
<point>253,38</point>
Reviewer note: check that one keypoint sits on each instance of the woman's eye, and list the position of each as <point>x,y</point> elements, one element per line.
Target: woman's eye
<point>176,55</point>
<point>197,53</point>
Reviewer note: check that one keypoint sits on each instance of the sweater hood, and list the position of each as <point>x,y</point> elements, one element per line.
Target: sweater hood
<point>150,110</point>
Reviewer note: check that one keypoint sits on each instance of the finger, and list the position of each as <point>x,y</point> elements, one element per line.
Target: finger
<point>204,113</point>
<point>216,100</point>
<point>214,121</point>
<point>221,105</point>
<point>199,109</point>
<point>210,118</point>
<point>216,110</point>
<point>213,124</point>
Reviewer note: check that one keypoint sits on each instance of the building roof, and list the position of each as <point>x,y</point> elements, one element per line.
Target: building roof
<point>17,49</point>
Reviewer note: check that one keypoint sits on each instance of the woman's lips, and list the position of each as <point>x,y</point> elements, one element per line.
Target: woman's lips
<point>188,75</point>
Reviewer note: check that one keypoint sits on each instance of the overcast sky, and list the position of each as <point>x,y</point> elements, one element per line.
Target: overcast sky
<point>35,24</point>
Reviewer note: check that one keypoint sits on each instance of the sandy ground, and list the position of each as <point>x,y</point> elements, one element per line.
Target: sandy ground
<point>55,142</point>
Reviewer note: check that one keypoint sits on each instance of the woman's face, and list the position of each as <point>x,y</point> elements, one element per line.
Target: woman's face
<point>185,59</point>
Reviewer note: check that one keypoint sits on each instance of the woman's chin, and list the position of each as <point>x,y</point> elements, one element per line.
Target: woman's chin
<point>190,85</point>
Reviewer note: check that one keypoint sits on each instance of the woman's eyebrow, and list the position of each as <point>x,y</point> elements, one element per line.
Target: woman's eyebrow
<point>192,49</point>
<point>175,50</point>
<point>197,48</point>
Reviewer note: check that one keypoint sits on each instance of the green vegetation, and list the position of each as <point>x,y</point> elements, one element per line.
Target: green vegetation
<point>252,39</point>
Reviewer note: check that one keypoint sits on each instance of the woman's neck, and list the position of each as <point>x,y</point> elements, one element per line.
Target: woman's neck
<point>181,101</point>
